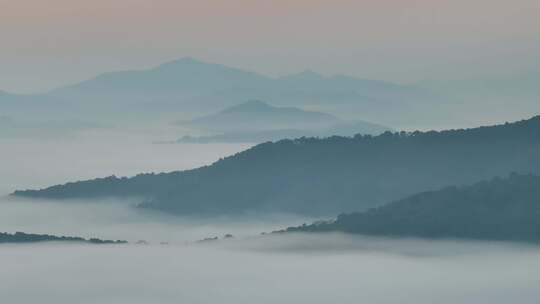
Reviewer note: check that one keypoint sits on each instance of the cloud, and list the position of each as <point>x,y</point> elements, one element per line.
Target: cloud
<point>366,273</point>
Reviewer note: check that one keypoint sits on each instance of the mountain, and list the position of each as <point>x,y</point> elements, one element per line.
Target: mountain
<point>347,86</point>
<point>256,115</point>
<point>21,237</point>
<point>188,77</point>
<point>182,86</point>
<point>191,87</point>
<point>498,209</point>
<point>256,121</point>
<point>183,77</point>
<point>388,103</point>
<point>327,176</point>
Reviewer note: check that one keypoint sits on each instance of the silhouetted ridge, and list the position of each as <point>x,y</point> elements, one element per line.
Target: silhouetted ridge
<point>255,115</point>
<point>21,237</point>
<point>255,121</point>
<point>330,175</point>
<point>499,209</point>
<point>191,87</point>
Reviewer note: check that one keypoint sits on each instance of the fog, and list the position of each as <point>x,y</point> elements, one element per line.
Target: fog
<point>40,163</point>
<point>35,163</point>
<point>279,273</point>
<point>250,268</point>
<point>112,219</point>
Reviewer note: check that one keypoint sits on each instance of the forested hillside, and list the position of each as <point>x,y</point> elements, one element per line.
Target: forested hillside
<point>329,175</point>
<point>499,209</point>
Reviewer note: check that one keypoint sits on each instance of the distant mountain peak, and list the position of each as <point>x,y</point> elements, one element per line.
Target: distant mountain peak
<point>256,115</point>
<point>253,105</point>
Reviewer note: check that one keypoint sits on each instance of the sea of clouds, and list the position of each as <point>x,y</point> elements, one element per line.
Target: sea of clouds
<point>249,268</point>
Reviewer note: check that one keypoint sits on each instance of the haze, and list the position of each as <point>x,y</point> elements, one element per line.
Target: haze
<point>256,151</point>
<point>229,273</point>
<point>50,43</point>
<point>294,268</point>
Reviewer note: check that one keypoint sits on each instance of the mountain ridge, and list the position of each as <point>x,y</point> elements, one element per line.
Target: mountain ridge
<point>256,115</point>
<point>500,209</point>
<point>255,121</point>
<point>325,176</point>
<point>192,87</point>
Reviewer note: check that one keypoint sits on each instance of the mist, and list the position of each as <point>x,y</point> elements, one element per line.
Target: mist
<point>35,163</point>
<point>281,272</point>
<point>42,162</point>
<point>121,219</point>
<point>248,268</point>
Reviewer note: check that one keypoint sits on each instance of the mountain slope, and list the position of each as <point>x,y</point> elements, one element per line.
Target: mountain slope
<point>327,176</point>
<point>188,77</point>
<point>256,116</point>
<point>180,77</point>
<point>255,122</point>
<point>191,87</point>
<point>499,209</point>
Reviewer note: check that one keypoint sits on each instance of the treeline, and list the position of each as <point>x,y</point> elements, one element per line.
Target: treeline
<point>21,237</point>
<point>500,209</point>
<point>327,175</point>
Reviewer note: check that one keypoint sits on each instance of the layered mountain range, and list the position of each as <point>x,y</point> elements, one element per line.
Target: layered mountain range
<point>256,121</point>
<point>191,87</point>
<point>326,175</point>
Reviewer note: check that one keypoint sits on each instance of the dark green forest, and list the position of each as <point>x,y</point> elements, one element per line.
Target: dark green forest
<point>499,209</point>
<point>326,175</point>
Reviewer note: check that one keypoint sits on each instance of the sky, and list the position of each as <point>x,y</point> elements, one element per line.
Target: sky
<point>44,44</point>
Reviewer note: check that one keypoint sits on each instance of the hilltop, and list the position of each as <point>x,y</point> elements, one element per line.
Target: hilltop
<point>498,209</point>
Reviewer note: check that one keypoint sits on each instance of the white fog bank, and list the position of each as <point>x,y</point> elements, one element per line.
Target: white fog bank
<point>113,219</point>
<point>249,268</point>
<point>450,272</point>
<point>35,163</point>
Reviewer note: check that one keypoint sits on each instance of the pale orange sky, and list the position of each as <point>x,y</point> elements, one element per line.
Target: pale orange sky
<point>45,43</point>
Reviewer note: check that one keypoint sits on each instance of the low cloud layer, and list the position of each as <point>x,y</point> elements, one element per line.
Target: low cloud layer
<point>249,268</point>
<point>366,272</point>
